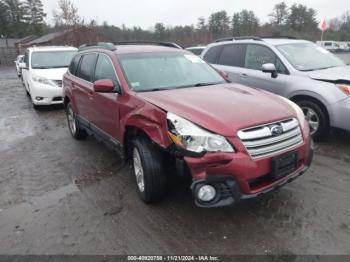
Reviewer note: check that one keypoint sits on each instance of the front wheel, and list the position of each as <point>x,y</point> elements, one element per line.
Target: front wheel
<point>74,127</point>
<point>316,117</point>
<point>148,169</point>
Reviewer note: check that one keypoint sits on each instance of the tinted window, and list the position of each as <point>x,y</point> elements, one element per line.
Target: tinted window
<point>328,44</point>
<point>211,56</point>
<point>232,55</point>
<point>87,66</point>
<point>196,51</point>
<point>257,55</point>
<point>74,64</point>
<point>105,70</point>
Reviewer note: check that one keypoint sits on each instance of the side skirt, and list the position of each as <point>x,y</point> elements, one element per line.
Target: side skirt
<point>102,136</point>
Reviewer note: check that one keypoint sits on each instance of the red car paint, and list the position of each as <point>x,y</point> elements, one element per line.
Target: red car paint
<point>222,109</point>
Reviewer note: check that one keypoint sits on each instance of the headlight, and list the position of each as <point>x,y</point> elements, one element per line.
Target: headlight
<point>43,80</point>
<point>193,138</point>
<point>344,88</point>
<point>298,110</point>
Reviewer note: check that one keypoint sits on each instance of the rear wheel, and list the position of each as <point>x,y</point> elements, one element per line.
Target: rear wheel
<point>149,171</point>
<point>73,124</point>
<point>316,117</point>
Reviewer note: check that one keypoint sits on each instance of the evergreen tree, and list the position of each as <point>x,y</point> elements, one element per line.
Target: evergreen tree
<point>15,23</point>
<point>219,23</point>
<point>34,16</point>
<point>279,14</point>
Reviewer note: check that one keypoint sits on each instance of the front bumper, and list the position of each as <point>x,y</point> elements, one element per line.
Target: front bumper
<point>237,180</point>
<point>340,114</point>
<point>49,95</point>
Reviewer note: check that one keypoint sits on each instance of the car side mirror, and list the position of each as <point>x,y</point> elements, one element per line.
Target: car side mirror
<point>270,68</point>
<point>22,65</point>
<point>104,86</point>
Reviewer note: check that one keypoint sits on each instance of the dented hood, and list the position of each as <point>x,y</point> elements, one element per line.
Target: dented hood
<point>333,74</point>
<point>223,109</point>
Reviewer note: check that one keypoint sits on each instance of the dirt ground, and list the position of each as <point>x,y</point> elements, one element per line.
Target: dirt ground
<point>61,196</point>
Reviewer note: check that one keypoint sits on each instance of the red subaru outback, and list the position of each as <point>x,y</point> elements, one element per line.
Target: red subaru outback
<point>163,107</point>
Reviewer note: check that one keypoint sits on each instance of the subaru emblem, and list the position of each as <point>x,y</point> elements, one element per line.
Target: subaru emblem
<point>276,130</point>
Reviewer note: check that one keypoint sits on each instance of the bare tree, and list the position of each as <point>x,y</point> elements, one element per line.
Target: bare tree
<point>66,14</point>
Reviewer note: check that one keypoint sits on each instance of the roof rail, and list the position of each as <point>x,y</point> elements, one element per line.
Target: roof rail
<point>167,44</point>
<point>279,37</point>
<point>103,45</point>
<point>225,39</point>
<point>237,38</point>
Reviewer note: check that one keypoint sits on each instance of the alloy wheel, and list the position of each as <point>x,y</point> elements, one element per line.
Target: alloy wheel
<point>138,170</point>
<point>312,118</point>
<point>71,120</point>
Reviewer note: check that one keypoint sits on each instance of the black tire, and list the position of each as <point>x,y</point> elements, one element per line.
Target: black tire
<point>320,114</point>
<point>76,131</point>
<point>154,173</point>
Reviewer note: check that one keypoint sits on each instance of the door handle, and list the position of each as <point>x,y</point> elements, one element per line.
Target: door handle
<point>244,76</point>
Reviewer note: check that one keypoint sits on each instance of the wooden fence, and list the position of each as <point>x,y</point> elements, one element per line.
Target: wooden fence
<point>8,55</point>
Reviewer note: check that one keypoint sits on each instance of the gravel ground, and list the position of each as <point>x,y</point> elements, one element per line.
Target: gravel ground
<point>61,196</point>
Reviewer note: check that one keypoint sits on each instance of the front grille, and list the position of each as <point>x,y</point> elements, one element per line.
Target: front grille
<point>57,99</point>
<point>58,82</point>
<point>260,141</point>
<point>225,191</point>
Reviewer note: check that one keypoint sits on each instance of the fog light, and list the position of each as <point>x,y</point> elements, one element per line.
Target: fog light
<point>39,98</point>
<point>206,193</point>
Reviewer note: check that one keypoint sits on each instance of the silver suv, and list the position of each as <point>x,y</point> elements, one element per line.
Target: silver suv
<point>309,75</point>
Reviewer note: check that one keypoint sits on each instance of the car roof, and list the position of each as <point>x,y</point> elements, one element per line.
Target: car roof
<point>266,41</point>
<point>52,48</point>
<point>283,41</point>
<point>135,49</point>
<point>195,47</point>
<point>127,49</point>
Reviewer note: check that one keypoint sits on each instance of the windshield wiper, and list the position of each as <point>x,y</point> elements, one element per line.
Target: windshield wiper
<point>198,85</point>
<point>178,87</point>
<point>152,90</point>
<point>206,84</point>
<point>48,67</point>
<point>316,69</point>
<point>62,66</point>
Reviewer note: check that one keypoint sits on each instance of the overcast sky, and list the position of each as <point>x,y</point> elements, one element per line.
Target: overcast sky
<point>146,13</point>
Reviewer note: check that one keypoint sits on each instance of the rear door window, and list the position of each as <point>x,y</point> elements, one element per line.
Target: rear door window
<point>232,55</point>
<point>212,55</point>
<point>87,67</point>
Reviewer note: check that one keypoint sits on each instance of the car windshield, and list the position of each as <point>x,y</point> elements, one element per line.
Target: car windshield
<point>52,59</point>
<point>161,71</point>
<point>309,57</point>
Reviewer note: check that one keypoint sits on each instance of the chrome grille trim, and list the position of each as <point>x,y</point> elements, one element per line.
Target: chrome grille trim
<point>260,142</point>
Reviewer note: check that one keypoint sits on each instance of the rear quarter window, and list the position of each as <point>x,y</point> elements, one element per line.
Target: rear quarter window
<point>74,64</point>
<point>212,55</point>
